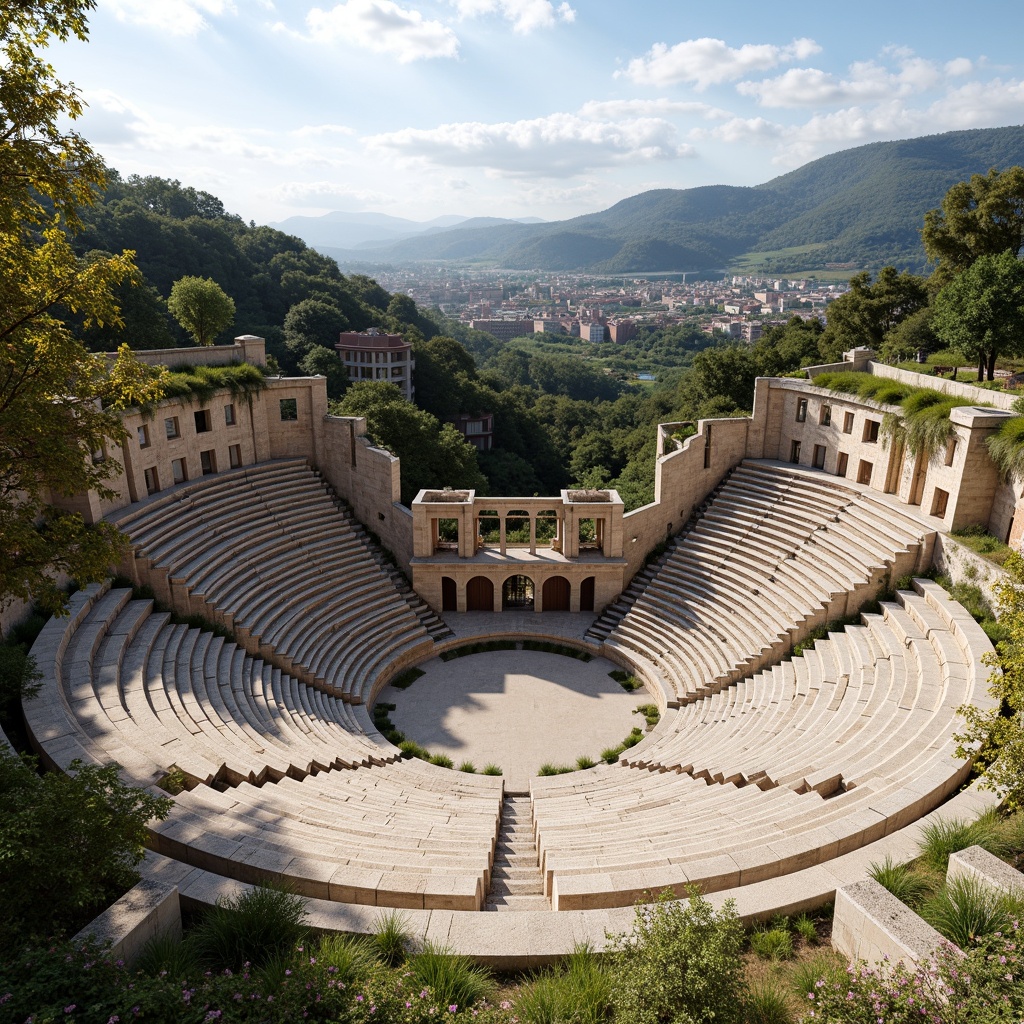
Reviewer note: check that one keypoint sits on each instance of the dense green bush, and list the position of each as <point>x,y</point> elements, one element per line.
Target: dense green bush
<point>69,845</point>
<point>681,962</point>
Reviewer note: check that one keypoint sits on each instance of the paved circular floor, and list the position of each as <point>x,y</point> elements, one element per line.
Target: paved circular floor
<point>516,709</point>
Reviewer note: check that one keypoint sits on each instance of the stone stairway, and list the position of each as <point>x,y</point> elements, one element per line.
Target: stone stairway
<point>602,626</point>
<point>432,623</point>
<point>516,879</point>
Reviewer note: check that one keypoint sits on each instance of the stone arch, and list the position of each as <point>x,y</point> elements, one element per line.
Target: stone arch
<point>556,594</point>
<point>449,595</point>
<point>587,594</point>
<point>517,593</point>
<point>479,595</point>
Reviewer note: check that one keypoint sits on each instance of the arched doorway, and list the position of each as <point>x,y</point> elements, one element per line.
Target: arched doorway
<point>479,595</point>
<point>556,594</point>
<point>517,594</point>
<point>587,595</point>
<point>449,595</point>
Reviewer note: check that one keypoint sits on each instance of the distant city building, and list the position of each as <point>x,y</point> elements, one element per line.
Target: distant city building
<point>593,332</point>
<point>548,325</point>
<point>371,355</point>
<point>621,330</point>
<point>503,330</point>
<point>477,428</point>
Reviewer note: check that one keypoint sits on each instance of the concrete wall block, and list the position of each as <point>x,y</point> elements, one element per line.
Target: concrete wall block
<point>871,924</point>
<point>976,862</point>
<point>149,910</point>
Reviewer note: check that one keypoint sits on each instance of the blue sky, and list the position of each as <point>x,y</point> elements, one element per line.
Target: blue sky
<point>543,108</point>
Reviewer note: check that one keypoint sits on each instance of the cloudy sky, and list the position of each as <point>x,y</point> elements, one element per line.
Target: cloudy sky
<point>545,108</point>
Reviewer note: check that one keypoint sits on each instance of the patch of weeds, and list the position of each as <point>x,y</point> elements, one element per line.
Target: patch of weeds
<point>555,769</point>
<point>636,734</point>
<point>611,754</point>
<point>492,769</point>
<point>468,767</point>
<point>804,926</point>
<point>772,944</point>
<point>412,749</point>
<point>824,966</point>
<point>478,648</point>
<point>627,681</point>
<point>907,885</point>
<point>552,648</point>
<point>174,782</point>
<point>650,713</point>
<point>585,761</point>
<point>405,679</point>
<point>950,835</point>
<point>441,760</point>
<point>767,1003</point>
<point>383,724</point>
<point>966,910</point>
<point>391,938</point>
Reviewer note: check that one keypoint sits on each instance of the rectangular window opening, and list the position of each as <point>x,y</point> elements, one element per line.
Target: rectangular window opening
<point>235,455</point>
<point>864,471</point>
<point>152,480</point>
<point>179,471</point>
<point>871,431</point>
<point>842,464</point>
<point>229,415</point>
<point>289,409</point>
<point>143,434</point>
<point>203,422</point>
<point>825,416</point>
<point>848,423</point>
<point>801,410</point>
<point>794,451</point>
<point>819,456</point>
<point>208,462</point>
<point>940,500</point>
<point>172,428</point>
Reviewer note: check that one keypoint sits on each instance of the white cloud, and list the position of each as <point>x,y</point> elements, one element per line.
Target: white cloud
<point>959,66</point>
<point>603,110</point>
<point>175,17</point>
<point>556,146</point>
<point>313,131</point>
<point>326,193</point>
<point>525,15</point>
<point>749,130</point>
<point>708,61</point>
<point>381,26</point>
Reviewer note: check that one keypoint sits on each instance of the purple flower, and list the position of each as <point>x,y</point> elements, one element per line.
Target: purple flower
<point>68,1009</point>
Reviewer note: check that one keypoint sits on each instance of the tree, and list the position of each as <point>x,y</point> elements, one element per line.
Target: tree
<point>868,312</point>
<point>432,455</point>
<point>325,362</point>
<point>313,323</point>
<point>58,403</point>
<point>97,825</point>
<point>980,217</point>
<point>202,307</point>
<point>979,313</point>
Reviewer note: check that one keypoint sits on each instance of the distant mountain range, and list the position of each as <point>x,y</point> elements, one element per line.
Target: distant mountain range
<point>861,208</point>
<point>374,230</point>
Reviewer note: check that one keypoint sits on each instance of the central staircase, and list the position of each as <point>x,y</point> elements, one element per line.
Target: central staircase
<point>516,879</point>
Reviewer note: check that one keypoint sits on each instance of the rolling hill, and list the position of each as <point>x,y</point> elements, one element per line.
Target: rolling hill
<point>863,206</point>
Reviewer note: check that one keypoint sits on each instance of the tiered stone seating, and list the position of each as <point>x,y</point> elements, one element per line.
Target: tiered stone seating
<point>123,684</point>
<point>825,753</point>
<point>266,551</point>
<point>131,686</point>
<point>779,552</point>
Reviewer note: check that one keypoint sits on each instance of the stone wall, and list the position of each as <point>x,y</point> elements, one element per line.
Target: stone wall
<point>962,565</point>
<point>685,473</point>
<point>246,348</point>
<point>369,479</point>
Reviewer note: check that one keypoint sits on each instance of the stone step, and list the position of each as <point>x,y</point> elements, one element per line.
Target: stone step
<point>510,873</point>
<point>517,886</point>
<point>518,903</point>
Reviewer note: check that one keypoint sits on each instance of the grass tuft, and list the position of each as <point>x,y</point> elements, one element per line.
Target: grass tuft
<point>907,885</point>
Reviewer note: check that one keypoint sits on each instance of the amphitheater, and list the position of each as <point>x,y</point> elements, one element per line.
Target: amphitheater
<point>769,779</point>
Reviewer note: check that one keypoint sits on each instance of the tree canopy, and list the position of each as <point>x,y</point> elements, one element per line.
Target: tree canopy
<point>980,217</point>
<point>55,438</point>
<point>202,307</point>
<point>980,313</point>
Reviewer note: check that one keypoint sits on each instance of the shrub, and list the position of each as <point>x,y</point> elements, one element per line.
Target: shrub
<point>391,939</point>
<point>805,927</point>
<point>611,754</point>
<point>405,679</point>
<point>256,926</point>
<point>577,990</point>
<point>908,886</point>
<point>352,958</point>
<point>441,760</point>
<point>176,958</point>
<point>650,713</point>
<point>680,962</point>
<point>824,967</point>
<point>468,767</point>
<point>412,749</point>
<point>555,769</point>
<point>585,761</point>
<point>772,944</point>
<point>627,681</point>
<point>983,986</point>
<point>767,1004</point>
<point>950,835</point>
<point>91,814</point>
<point>966,909</point>
<point>492,769</point>
<point>453,979</point>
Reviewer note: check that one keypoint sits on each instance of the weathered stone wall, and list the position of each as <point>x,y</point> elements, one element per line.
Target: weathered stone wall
<point>369,479</point>
<point>685,473</point>
<point>962,565</point>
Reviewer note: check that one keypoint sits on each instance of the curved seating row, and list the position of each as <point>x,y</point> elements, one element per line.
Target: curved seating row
<point>266,552</point>
<point>123,684</point>
<point>778,553</point>
<point>824,754</point>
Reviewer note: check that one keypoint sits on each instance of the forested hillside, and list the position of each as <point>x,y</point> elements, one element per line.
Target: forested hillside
<point>863,206</point>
